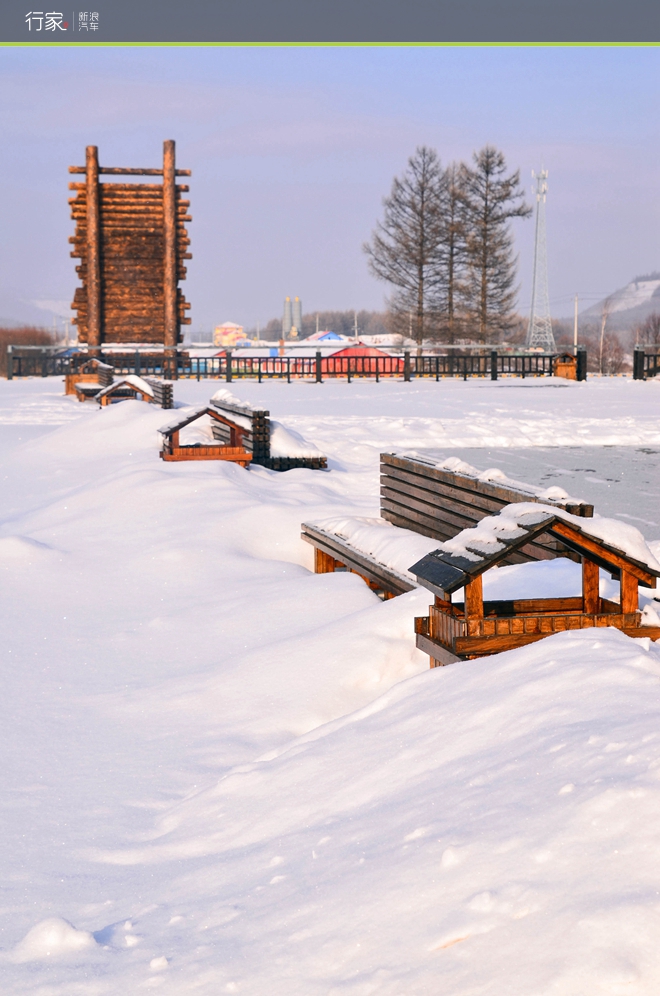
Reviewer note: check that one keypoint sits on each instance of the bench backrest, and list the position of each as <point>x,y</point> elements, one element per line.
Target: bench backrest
<point>417,495</point>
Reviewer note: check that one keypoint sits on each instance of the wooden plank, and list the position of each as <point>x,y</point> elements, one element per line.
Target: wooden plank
<point>439,655</point>
<point>233,454</point>
<point>639,632</point>
<point>533,606</point>
<point>397,478</point>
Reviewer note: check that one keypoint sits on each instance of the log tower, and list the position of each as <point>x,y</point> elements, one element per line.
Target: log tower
<point>131,240</point>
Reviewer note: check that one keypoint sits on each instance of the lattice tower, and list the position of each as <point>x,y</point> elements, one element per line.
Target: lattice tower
<point>539,332</point>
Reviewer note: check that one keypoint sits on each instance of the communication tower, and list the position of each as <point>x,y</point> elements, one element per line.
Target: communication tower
<point>539,333</point>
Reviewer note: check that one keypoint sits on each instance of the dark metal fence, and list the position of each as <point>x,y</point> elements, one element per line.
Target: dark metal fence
<point>645,364</point>
<point>37,361</point>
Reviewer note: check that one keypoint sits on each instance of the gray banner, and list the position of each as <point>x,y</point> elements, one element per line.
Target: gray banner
<point>425,21</point>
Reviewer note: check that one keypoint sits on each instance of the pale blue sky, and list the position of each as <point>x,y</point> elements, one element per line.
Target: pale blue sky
<point>292,150</point>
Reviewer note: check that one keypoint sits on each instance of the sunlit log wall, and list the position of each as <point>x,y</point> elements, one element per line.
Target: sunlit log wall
<point>131,240</point>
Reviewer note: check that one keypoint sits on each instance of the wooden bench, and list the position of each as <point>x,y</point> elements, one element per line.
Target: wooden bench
<point>421,498</point>
<point>417,495</point>
<point>332,553</point>
<point>88,379</point>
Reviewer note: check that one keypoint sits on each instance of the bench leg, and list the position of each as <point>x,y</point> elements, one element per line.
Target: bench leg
<point>323,562</point>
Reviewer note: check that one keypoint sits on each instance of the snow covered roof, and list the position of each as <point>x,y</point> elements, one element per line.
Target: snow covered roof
<point>131,380</point>
<point>473,551</point>
<point>191,414</point>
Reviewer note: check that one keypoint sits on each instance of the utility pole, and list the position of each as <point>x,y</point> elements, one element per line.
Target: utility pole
<point>539,332</point>
<point>575,326</point>
<point>355,328</point>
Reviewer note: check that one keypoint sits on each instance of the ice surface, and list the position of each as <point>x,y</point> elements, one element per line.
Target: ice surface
<point>238,776</point>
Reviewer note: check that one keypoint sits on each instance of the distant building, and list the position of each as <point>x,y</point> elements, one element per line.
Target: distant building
<point>228,334</point>
<point>327,336</point>
<point>292,318</point>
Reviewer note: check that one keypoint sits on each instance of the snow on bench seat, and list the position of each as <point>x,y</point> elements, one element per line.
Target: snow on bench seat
<point>371,547</point>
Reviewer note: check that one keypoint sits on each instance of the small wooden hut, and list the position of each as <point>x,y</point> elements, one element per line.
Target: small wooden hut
<point>155,392</point>
<point>474,628</point>
<point>235,450</point>
<point>88,378</point>
<point>565,365</point>
<point>129,387</point>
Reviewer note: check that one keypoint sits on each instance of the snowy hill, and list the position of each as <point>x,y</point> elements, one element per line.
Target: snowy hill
<point>629,305</point>
<point>223,773</point>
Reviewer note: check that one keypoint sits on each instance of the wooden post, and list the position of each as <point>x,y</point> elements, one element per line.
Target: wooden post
<point>94,329</point>
<point>319,377</point>
<point>171,318</point>
<point>493,364</point>
<point>406,366</point>
<point>629,592</point>
<point>323,562</point>
<point>590,587</point>
<point>474,599</point>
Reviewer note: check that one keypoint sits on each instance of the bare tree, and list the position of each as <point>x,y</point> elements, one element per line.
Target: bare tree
<point>406,247</point>
<point>604,315</point>
<point>648,333</point>
<point>492,200</point>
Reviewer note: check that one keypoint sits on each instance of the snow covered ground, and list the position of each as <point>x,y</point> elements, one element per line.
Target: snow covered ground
<point>223,773</point>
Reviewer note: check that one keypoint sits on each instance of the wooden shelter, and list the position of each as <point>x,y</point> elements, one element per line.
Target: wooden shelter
<point>131,240</point>
<point>474,628</point>
<point>565,365</point>
<point>88,379</point>
<point>129,387</point>
<point>235,451</point>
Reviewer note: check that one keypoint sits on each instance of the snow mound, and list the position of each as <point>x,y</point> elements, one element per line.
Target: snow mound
<point>224,395</point>
<point>51,938</point>
<point>22,548</point>
<point>509,804</point>
<point>289,443</point>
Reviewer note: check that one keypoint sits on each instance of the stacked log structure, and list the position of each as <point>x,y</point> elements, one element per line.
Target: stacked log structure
<point>131,240</point>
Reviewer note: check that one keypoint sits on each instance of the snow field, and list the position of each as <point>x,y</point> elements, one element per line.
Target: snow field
<point>223,773</point>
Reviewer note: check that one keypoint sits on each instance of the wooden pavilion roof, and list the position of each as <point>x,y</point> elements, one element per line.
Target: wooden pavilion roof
<point>444,572</point>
